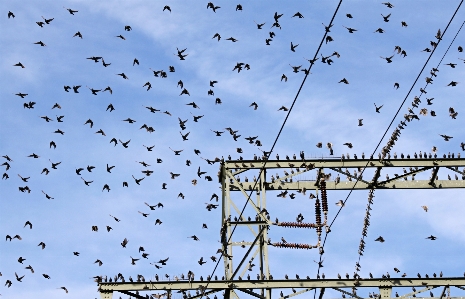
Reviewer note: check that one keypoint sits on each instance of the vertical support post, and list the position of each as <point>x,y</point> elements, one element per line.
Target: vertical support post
<point>385,292</point>
<point>260,241</point>
<point>264,238</point>
<point>106,294</point>
<point>226,212</point>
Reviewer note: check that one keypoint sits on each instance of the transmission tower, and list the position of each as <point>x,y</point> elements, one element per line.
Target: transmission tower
<point>329,174</point>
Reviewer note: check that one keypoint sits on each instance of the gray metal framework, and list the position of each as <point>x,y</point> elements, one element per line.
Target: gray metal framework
<point>349,176</point>
<point>380,288</point>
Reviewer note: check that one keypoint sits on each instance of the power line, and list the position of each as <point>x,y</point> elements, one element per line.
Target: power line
<point>392,121</point>
<point>282,126</point>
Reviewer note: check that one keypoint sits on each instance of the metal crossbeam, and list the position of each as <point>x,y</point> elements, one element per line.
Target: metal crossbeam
<point>416,166</point>
<point>309,185</point>
<point>346,163</point>
<point>287,283</point>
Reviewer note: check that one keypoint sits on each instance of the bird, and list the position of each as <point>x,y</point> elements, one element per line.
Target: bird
<point>217,36</point>
<point>71,11</point>
<point>378,108</point>
<point>11,15</point>
<point>201,261</point>
<point>340,203</point>
<point>389,5</point>
<point>432,238</point>
<point>386,18</point>
<point>293,47</point>
<point>176,152</point>
<point>380,239</point>
<point>40,43</point>
<point>388,59</point>
<point>138,180</point>
<point>351,30</point>
<point>124,144</point>
<point>452,65</point>
<point>19,278</point>
<point>166,7</point>
<point>259,26</point>
<point>360,122</point>
<point>348,144</point>
<point>344,80</point>
<point>133,260</point>
<point>47,196</point>
<point>78,34</point>
<point>194,237</point>
<point>298,14</point>
<point>425,208</point>
<point>446,137</point>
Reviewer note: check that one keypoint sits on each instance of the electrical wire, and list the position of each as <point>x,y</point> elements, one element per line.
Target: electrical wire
<point>282,127</point>
<point>392,121</point>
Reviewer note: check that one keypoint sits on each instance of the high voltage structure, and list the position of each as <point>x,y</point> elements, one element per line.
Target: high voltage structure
<point>418,172</point>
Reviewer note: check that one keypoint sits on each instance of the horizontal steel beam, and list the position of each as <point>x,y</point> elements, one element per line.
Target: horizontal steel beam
<point>347,163</point>
<point>348,185</point>
<point>272,284</point>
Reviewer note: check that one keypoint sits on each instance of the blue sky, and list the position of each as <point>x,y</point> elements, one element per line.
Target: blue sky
<point>326,111</point>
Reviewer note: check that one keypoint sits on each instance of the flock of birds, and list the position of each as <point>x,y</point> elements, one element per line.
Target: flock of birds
<point>182,54</point>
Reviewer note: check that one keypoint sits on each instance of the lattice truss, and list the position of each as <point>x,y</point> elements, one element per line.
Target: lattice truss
<point>252,181</point>
<point>400,288</point>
